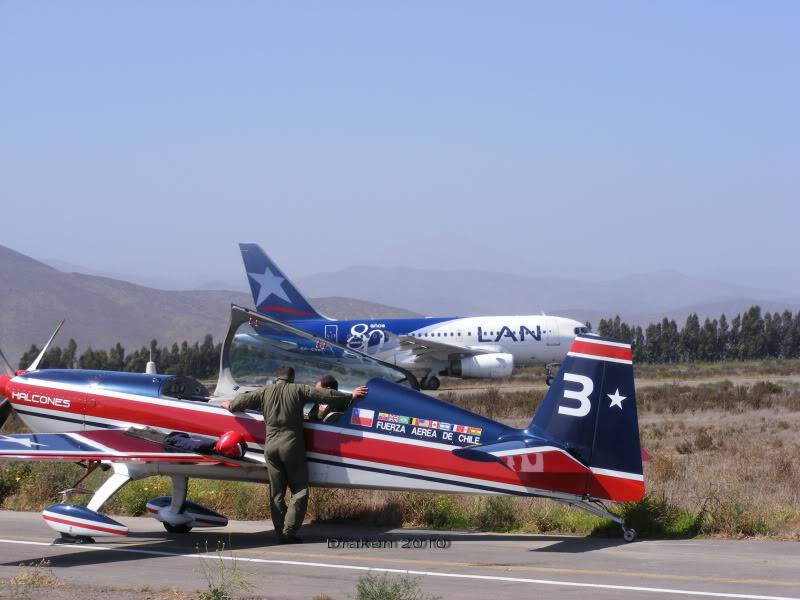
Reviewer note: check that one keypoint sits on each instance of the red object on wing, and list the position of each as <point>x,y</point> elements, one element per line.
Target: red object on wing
<point>646,455</point>
<point>231,444</point>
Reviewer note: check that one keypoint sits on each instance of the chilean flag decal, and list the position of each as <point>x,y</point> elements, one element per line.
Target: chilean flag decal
<point>362,416</point>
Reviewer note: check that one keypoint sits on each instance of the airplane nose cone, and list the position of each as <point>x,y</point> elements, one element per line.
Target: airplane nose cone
<point>4,379</point>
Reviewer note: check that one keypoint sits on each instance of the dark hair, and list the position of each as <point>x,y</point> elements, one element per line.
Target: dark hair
<point>328,381</point>
<point>286,373</point>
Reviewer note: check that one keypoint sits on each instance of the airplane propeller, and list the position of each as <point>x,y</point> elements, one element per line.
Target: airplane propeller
<point>9,368</point>
<point>35,364</point>
<point>5,405</point>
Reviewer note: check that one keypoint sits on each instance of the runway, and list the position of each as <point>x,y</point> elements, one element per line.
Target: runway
<point>467,565</point>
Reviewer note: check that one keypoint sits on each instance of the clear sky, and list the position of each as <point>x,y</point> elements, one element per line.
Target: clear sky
<point>594,137</point>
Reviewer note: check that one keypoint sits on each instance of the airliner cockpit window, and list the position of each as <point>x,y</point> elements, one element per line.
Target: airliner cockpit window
<point>259,346</point>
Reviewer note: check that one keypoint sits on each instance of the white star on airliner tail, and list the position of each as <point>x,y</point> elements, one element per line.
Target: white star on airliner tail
<point>616,399</point>
<point>21,441</point>
<point>271,285</point>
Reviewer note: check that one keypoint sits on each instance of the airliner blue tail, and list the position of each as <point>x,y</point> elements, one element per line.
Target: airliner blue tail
<point>273,294</point>
<point>591,409</point>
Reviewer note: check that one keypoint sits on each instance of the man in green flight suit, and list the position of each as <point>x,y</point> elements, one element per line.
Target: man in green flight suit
<point>285,450</point>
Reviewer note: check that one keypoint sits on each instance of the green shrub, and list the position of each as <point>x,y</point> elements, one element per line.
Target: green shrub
<point>733,516</point>
<point>498,514</point>
<point>10,477</point>
<point>444,513</point>
<point>132,499</point>
<point>384,587</point>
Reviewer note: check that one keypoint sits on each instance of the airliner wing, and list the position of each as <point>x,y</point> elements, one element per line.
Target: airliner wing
<point>439,350</point>
<point>114,445</point>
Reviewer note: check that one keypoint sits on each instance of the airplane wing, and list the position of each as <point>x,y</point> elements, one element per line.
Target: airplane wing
<point>439,350</point>
<point>114,445</point>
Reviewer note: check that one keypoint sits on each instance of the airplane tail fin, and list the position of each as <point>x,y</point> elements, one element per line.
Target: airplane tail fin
<point>273,294</point>
<point>590,409</point>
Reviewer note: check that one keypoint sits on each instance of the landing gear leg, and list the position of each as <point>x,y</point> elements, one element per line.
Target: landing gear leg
<point>110,487</point>
<point>599,510</point>
<point>180,486</point>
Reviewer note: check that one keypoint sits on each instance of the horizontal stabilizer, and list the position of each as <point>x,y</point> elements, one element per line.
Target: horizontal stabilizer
<point>491,452</point>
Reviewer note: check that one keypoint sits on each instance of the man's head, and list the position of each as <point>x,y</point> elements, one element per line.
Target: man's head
<point>285,373</point>
<point>328,382</point>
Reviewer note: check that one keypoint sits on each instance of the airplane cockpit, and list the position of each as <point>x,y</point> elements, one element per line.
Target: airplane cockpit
<point>181,387</point>
<point>256,345</point>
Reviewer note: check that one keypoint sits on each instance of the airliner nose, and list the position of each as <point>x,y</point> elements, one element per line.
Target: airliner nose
<point>4,379</point>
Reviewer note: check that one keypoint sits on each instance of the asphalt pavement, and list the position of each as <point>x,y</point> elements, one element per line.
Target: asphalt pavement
<point>449,564</point>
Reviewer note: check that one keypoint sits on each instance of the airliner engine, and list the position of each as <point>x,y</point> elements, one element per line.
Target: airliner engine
<point>495,365</point>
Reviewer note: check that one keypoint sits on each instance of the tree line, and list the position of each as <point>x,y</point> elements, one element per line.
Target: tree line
<point>200,360</point>
<point>749,335</point>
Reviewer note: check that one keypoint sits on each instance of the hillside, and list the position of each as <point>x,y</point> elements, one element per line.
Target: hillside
<point>100,311</point>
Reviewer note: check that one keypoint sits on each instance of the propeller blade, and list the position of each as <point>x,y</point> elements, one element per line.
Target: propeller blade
<point>9,368</point>
<point>38,359</point>
<point>5,411</point>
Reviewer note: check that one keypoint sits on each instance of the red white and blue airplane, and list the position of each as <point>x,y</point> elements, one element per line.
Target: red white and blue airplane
<point>480,347</point>
<point>581,447</point>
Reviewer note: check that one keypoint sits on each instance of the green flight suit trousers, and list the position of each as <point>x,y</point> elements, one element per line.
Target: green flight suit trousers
<point>286,467</point>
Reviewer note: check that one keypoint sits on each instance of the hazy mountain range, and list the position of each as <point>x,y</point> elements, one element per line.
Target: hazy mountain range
<point>637,298</point>
<point>102,309</point>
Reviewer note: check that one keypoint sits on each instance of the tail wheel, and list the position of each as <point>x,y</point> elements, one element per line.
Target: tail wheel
<point>177,528</point>
<point>629,535</point>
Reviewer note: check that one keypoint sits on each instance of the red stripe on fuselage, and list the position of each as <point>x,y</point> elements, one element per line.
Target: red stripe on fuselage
<point>601,350</point>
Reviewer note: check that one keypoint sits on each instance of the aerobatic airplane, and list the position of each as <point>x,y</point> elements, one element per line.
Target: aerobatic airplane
<point>581,447</point>
<point>483,347</point>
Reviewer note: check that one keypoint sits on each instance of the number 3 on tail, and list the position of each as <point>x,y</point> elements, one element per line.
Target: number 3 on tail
<point>582,396</point>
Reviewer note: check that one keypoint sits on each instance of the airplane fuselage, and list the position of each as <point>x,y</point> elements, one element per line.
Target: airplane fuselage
<point>405,442</point>
<point>530,340</point>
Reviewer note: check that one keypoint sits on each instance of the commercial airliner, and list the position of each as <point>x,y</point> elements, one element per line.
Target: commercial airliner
<point>479,347</point>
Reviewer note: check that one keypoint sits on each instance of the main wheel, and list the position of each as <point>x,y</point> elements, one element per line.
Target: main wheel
<point>432,383</point>
<point>177,528</point>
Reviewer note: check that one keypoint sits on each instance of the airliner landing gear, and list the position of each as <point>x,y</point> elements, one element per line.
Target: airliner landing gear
<point>549,374</point>
<point>430,383</point>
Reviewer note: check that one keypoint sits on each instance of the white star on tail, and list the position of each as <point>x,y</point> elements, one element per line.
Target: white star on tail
<point>616,399</point>
<point>22,441</point>
<point>271,285</point>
